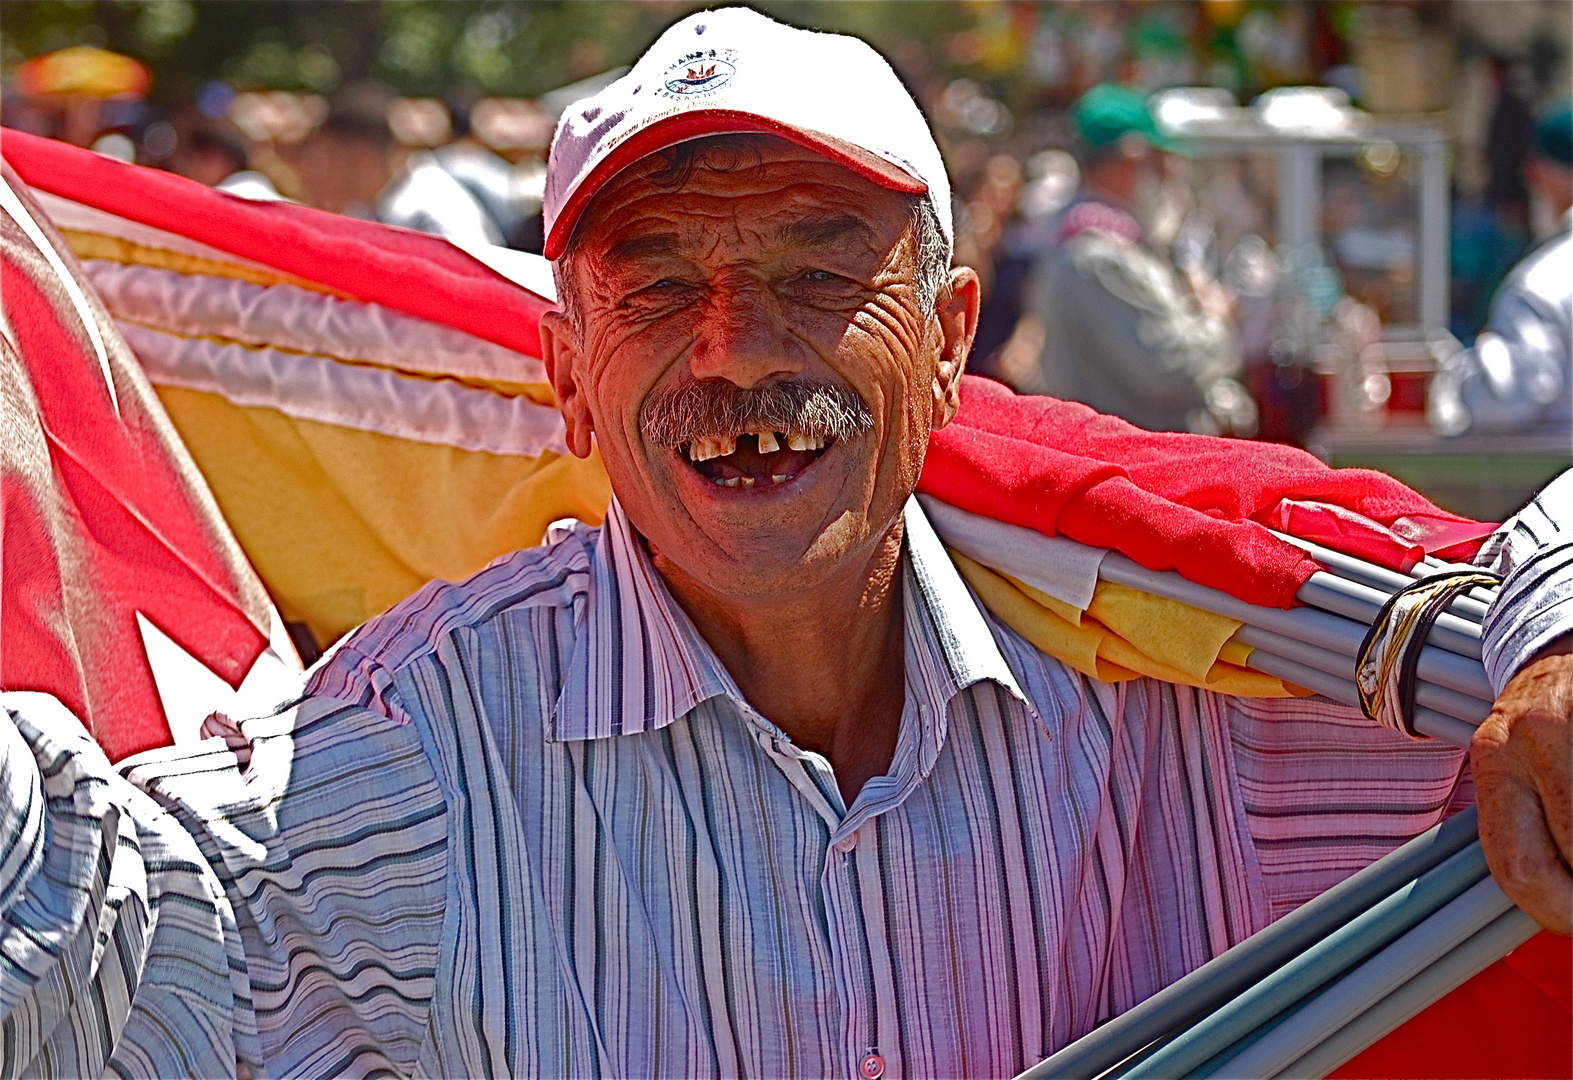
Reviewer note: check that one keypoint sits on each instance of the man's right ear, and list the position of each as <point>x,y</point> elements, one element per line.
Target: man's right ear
<point>560,354</point>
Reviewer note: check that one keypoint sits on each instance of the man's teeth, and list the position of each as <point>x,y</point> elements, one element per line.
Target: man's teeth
<point>769,442</point>
<point>705,449</point>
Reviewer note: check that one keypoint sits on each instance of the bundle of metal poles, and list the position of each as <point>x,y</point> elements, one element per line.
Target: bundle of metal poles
<point>1324,982</point>
<point>1316,987</point>
<point>1315,646</point>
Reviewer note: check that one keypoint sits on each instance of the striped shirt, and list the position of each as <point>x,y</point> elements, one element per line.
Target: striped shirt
<point>1534,554</point>
<point>527,824</point>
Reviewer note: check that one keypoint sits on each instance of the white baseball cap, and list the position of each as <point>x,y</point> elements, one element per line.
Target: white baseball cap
<point>734,70</point>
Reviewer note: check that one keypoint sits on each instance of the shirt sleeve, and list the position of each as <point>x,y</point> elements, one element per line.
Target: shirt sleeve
<point>119,951</point>
<point>1533,551</point>
<point>328,832</point>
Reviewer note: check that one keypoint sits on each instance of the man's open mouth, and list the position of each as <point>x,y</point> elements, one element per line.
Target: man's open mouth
<point>754,460</point>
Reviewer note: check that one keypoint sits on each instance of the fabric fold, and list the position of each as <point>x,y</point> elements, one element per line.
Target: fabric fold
<point>1151,637</point>
<point>1168,500</point>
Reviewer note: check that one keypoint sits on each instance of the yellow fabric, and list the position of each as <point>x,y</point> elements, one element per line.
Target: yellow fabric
<point>1182,637</point>
<point>1060,638</point>
<point>1069,612</point>
<point>88,245</point>
<point>1236,653</point>
<point>342,524</point>
<point>1188,641</point>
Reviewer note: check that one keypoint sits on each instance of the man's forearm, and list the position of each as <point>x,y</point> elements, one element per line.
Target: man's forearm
<point>1522,755</point>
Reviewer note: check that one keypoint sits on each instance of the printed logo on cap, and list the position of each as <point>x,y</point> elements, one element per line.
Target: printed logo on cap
<point>700,72</point>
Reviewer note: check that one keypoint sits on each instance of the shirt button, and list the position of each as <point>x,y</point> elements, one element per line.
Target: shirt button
<point>871,1067</point>
<point>845,845</point>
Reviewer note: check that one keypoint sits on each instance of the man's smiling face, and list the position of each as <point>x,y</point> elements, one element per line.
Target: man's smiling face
<point>753,356</point>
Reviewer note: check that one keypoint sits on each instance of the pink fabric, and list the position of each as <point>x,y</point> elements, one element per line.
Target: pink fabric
<point>1398,546</point>
<point>1099,217</point>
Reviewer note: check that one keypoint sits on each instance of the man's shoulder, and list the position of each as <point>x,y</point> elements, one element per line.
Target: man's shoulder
<point>1547,273</point>
<point>554,574</point>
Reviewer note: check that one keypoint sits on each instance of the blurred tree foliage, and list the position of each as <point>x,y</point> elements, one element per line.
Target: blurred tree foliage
<point>417,46</point>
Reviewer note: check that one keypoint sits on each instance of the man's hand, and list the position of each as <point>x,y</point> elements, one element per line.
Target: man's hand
<point>1522,758</point>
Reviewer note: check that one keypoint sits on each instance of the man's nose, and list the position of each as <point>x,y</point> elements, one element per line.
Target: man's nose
<point>744,339</point>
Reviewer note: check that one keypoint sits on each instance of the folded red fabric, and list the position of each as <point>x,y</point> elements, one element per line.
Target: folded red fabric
<point>1190,503</point>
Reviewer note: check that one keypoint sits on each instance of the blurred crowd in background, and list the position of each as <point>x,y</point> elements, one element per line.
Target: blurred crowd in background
<point>1065,127</point>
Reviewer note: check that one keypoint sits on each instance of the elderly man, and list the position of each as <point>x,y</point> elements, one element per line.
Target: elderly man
<point>744,781</point>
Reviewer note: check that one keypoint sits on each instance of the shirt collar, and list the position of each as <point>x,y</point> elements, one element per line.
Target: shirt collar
<point>639,664</point>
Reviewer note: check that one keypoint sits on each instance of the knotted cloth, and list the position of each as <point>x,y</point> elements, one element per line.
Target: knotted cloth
<point>1389,657</point>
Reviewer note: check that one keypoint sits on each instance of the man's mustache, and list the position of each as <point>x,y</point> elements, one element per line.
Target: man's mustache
<point>711,408</point>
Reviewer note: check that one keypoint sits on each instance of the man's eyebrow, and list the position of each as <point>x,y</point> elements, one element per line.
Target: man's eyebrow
<point>643,247</point>
<point>820,231</point>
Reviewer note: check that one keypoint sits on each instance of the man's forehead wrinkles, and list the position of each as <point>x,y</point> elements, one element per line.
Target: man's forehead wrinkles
<point>820,231</point>
<point>703,233</point>
<point>659,245</point>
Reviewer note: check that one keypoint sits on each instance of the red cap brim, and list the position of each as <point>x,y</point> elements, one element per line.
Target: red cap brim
<point>697,124</point>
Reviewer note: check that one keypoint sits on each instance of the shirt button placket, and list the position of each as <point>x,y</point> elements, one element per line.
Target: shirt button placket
<point>872,1067</point>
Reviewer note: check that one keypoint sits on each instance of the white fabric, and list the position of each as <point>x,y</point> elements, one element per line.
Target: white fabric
<point>78,217</point>
<point>1057,565</point>
<point>249,184</point>
<point>367,399</point>
<point>289,317</point>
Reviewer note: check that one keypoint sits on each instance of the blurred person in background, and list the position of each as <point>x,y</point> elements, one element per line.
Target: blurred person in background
<point>352,165</point>
<point>998,234</point>
<point>485,175</point>
<point>213,151</point>
<point>346,164</point>
<point>1124,330</point>
<point>1518,377</point>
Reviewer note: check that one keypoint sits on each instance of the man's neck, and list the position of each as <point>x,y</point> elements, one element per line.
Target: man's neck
<point>825,665</point>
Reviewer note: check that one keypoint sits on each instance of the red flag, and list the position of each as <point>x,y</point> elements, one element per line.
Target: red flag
<point>105,518</point>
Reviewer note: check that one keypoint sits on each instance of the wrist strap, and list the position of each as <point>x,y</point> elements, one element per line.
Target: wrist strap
<point>1389,655</point>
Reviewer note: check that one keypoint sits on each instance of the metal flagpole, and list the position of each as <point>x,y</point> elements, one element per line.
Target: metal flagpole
<point>1225,976</point>
<point>1324,960</point>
